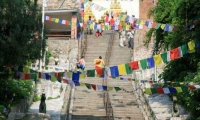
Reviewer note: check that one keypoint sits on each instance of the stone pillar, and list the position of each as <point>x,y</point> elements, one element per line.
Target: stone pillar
<point>74,26</point>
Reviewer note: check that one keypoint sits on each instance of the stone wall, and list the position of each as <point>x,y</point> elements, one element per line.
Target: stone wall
<point>61,4</point>
<point>66,50</point>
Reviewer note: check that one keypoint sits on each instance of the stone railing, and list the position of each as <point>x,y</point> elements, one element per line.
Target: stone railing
<point>106,98</point>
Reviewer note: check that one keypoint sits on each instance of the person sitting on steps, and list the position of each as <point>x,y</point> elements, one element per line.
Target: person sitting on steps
<point>81,63</point>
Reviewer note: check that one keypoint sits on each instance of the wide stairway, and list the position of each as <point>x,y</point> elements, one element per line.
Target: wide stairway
<point>123,102</point>
<point>88,104</point>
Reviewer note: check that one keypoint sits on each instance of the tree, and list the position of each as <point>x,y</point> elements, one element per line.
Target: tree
<point>20,28</point>
<point>184,14</point>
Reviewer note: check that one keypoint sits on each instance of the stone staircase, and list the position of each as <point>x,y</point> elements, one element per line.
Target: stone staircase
<point>96,46</point>
<point>124,104</point>
<point>88,104</point>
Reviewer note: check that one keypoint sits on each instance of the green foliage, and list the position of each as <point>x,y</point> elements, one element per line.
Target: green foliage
<point>48,55</point>
<point>181,13</point>
<point>20,23</point>
<point>36,98</point>
<point>18,88</point>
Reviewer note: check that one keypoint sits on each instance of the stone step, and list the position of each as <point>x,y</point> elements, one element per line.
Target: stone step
<point>88,117</point>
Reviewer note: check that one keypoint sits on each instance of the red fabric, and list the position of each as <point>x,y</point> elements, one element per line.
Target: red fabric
<point>154,24</point>
<point>97,34</point>
<point>82,12</point>
<point>107,19</point>
<point>120,27</point>
<point>50,18</point>
<point>191,87</point>
<point>58,75</point>
<point>112,22</point>
<point>67,22</point>
<point>84,25</point>
<point>27,76</point>
<point>65,81</point>
<point>134,65</point>
<point>151,82</point>
<point>99,70</point>
<point>174,54</point>
<point>175,27</point>
<point>39,75</point>
<point>94,86</point>
<point>160,90</point>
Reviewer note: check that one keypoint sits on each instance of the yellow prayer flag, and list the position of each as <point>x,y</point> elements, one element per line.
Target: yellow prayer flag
<point>178,89</point>
<point>122,69</point>
<point>57,20</point>
<point>82,84</point>
<point>157,59</point>
<point>136,80</point>
<point>191,46</point>
<point>142,22</point>
<point>82,76</point>
<point>181,83</point>
<point>163,26</point>
<point>110,88</point>
<point>148,91</point>
<point>53,78</point>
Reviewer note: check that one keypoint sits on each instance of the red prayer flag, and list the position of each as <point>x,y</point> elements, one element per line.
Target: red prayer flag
<point>134,65</point>
<point>174,54</point>
<point>50,18</point>
<point>94,86</point>
<point>154,24</point>
<point>67,22</point>
<point>65,81</point>
<point>160,90</point>
<point>191,87</point>
<point>27,76</point>
<point>39,75</point>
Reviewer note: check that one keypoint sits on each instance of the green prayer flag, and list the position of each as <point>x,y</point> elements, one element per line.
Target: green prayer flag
<point>184,49</point>
<point>143,64</point>
<point>184,89</point>
<point>33,76</point>
<point>164,57</point>
<point>154,91</point>
<point>70,23</point>
<point>128,69</point>
<point>88,85</point>
<point>117,88</point>
<point>62,74</point>
<point>138,21</point>
<point>158,25</point>
<point>91,73</point>
<point>59,80</point>
<point>53,19</point>
<point>26,70</point>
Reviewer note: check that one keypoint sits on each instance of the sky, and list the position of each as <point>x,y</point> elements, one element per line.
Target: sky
<point>132,7</point>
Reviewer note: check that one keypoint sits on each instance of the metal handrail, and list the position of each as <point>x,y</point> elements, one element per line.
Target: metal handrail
<point>107,102</point>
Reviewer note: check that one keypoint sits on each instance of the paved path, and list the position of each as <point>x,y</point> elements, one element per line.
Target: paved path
<point>53,108</point>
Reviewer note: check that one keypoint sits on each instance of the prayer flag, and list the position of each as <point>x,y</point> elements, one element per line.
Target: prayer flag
<point>172,90</point>
<point>114,71</point>
<point>88,85</point>
<point>160,90</point>
<point>94,86</point>
<point>143,63</point>
<point>148,91</point>
<point>75,78</point>
<point>174,54</point>
<point>91,73</point>
<point>150,62</point>
<point>191,46</point>
<point>184,49</point>
<point>122,69</point>
<point>104,88</point>
<point>178,89</point>
<point>154,91</point>
<point>99,87</point>
<point>157,59</point>
<point>134,65</point>
<point>117,88</point>
<point>110,88</point>
<point>166,90</point>
<point>158,25</point>
<point>128,69</point>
